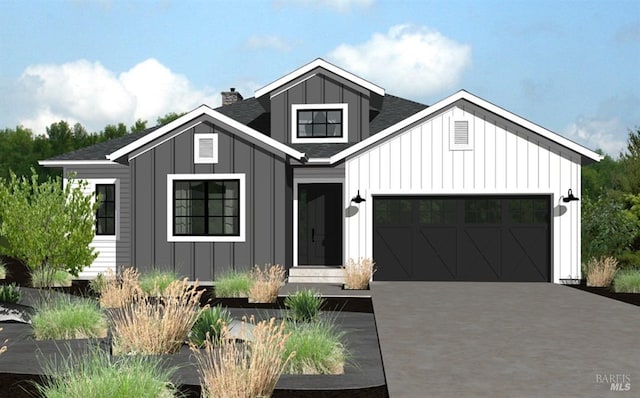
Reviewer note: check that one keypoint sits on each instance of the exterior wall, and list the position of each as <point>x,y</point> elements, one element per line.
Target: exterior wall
<point>319,89</point>
<point>506,159</point>
<point>112,251</point>
<point>268,205</point>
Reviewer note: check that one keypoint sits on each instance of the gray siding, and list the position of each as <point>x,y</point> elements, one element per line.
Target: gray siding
<point>322,88</point>
<point>268,205</point>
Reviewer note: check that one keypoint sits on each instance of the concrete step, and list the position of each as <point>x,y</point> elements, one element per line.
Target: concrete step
<point>316,274</point>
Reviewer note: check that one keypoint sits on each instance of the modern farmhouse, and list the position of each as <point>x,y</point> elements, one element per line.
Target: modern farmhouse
<point>321,166</point>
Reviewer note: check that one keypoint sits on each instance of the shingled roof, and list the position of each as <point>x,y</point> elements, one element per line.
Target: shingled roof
<point>250,113</point>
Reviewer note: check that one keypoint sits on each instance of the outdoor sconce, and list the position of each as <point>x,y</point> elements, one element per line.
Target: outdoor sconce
<point>569,198</point>
<point>358,199</point>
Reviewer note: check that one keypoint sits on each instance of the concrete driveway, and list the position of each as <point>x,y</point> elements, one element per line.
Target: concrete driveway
<point>467,339</point>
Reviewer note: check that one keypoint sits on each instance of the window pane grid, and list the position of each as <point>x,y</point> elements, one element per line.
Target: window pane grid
<point>320,123</point>
<point>106,213</point>
<point>206,208</point>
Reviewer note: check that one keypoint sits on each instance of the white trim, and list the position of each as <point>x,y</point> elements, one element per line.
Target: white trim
<point>290,86</point>
<point>327,140</point>
<point>305,180</point>
<point>165,139</point>
<point>319,161</point>
<point>225,176</point>
<point>62,163</point>
<point>197,158</point>
<point>477,101</point>
<point>319,62</point>
<point>205,110</point>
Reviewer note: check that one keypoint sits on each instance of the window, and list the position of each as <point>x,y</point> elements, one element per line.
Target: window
<point>326,123</point>
<point>205,207</point>
<point>205,148</point>
<point>106,213</point>
<point>320,123</point>
<point>483,211</point>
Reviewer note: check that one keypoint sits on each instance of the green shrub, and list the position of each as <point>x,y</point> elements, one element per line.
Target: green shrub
<point>155,282</point>
<point>627,281</point>
<point>304,305</point>
<point>98,284</point>
<point>48,277</point>
<point>233,284</point>
<point>62,317</point>
<point>98,375</point>
<point>211,321</point>
<point>318,349</point>
<point>10,294</point>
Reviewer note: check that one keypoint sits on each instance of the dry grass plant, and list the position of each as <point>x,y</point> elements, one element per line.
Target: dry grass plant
<point>266,283</point>
<point>243,370</point>
<point>601,271</point>
<point>150,325</point>
<point>117,292</point>
<point>4,347</point>
<point>357,274</point>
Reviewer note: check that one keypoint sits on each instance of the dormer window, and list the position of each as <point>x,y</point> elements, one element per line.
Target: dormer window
<point>316,123</point>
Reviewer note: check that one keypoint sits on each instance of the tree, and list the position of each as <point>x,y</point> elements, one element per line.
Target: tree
<point>600,177</point>
<point>111,131</point>
<point>630,164</point>
<point>46,226</point>
<point>139,125</point>
<point>169,117</point>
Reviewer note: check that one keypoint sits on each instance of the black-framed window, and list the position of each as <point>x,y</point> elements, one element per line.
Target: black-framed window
<point>206,207</point>
<point>319,123</point>
<point>106,213</point>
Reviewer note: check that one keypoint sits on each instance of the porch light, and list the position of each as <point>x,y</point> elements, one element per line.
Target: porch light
<point>358,199</point>
<point>569,197</point>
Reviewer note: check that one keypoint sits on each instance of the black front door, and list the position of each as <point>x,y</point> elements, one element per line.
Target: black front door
<point>320,224</point>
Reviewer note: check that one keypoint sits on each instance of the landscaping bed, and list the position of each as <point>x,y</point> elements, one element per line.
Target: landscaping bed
<point>631,298</point>
<point>363,374</point>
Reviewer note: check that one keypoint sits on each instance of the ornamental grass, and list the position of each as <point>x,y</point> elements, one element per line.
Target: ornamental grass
<point>243,370</point>
<point>150,325</point>
<point>118,291</point>
<point>601,271</point>
<point>357,274</point>
<point>266,283</point>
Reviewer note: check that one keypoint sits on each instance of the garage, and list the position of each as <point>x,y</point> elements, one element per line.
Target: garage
<point>462,238</point>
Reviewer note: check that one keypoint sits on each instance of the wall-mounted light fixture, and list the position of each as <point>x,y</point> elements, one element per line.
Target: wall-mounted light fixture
<point>569,197</point>
<point>358,199</point>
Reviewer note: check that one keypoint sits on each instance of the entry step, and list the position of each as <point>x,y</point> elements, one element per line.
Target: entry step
<point>316,274</point>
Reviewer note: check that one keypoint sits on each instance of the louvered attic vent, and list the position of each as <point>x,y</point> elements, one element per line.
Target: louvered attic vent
<point>205,148</point>
<point>461,132</point>
<point>460,138</point>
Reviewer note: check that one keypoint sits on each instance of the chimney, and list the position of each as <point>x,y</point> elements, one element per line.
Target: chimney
<point>230,97</point>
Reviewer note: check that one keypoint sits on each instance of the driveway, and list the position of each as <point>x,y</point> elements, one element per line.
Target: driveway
<point>468,339</point>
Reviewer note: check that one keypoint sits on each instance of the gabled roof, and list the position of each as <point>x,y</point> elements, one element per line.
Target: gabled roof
<point>205,110</point>
<point>465,95</point>
<point>319,62</point>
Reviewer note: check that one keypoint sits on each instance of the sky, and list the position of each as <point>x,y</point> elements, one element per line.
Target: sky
<point>572,67</point>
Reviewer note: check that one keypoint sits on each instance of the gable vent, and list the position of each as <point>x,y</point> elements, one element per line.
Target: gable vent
<point>461,132</point>
<point>205,148</point>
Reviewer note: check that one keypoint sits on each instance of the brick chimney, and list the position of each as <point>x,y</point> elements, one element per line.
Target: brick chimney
<point>230,97</point>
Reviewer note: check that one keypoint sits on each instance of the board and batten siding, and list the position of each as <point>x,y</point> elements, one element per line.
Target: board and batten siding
<point>506,159</point>
<point>268,198</point>
<point>319,89</point>
<point>112,251</point>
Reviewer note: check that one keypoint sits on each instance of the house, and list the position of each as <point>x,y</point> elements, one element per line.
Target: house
<point>321,166</point>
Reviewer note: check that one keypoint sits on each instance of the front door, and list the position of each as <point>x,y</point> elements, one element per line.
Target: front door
<point>320,224</point>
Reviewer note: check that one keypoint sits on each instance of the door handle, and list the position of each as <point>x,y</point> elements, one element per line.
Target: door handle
<point>313,234</point>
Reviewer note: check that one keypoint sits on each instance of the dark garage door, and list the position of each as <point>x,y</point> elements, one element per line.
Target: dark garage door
<point>476,238</point>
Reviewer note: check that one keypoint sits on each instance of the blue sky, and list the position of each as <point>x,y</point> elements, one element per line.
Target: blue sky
<point>570,66</point>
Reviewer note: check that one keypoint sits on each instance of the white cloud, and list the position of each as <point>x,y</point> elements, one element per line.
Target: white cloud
<point>599,133</point>
<point>337,5</point>
<point>269,42</point>
<point>89,93</point>
<point>407,60</point>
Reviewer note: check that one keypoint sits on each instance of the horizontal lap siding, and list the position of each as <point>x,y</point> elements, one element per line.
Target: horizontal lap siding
<point>111,253</point>
<point>506,159</point>
<point>267,190</point>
